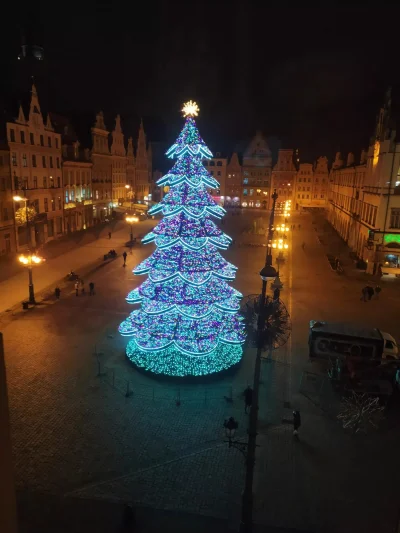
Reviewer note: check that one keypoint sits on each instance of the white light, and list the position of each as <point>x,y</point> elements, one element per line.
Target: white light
<point>190,109</point>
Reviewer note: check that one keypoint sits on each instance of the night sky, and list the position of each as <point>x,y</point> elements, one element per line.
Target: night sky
<point>312,78</point>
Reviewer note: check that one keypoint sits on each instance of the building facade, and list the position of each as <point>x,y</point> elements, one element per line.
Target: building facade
<point>7,223</point>
<point>364,199</point>
<point>119,164</point>
<point>233,182</point>
<point>35,151</point>
<point>256,174</point>
<point>142,168</point>
<point>102,170</point>
<point>217,168</point>
<point>284,176</point>
<point>312,185</point>
<point>77,178</point>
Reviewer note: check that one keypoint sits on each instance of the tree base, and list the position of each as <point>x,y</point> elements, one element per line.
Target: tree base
<point>172,362</point>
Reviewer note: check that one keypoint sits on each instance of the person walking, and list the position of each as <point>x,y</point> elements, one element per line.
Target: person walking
<point>296,423</point>
<point>57,292</point>
<point>378,290</point>
<point>248,398</point>
<point>109,234</point>
<point>82,287</point>
<point>124,255</point>
<point>76,288</point>
<point>91,288</point>
<point>370,292</point>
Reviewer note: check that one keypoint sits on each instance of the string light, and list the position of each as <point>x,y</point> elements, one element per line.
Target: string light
<point>188,321</point>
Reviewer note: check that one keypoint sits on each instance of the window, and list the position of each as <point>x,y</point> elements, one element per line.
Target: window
<point>35,182</point>
<point>308,196</point>
<point>14,159</point>
<point>395,218</point>
<point>219,164</point>
<point>24,160</point>
<point>35,205</point>
<point>34,161</point>
<point>51,161</point>
<point>58,181</point>
<point>56,142</point>
<point>97,195</point>
<point>244,192</point>
<point>298,196</point>
<point>53,204</point>
<point>251,192</point>
<point>58,161</point>
<point>72,196</point>
<point>66,197</point>
<point>59,203</point>
<point>245,181</point>
<point>12,136</point>
<point>22,135</point>
<point>322,195</point>
<point>41,140</point>
<point>308,188</point>
<point>32,138</point>
<point>44,161</point>
<point>212,164</point>
<point>46,205</point>
<point>45,183</point>
<point>49,141</point>
<point>2,184</point>
<point>5,213</point>
<point>218,173</point>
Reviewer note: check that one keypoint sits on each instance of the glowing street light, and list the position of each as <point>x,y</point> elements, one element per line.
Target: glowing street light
<point>132,220</point>
<point>30,260</point>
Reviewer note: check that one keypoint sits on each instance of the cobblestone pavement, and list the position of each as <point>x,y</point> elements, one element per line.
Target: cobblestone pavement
<point>77,436</point>
<point>84,257</point>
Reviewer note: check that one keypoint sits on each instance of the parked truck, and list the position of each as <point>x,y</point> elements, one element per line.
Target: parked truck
<point>330,341</point>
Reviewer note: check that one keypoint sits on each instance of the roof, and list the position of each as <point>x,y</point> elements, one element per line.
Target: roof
<point>343,328</point>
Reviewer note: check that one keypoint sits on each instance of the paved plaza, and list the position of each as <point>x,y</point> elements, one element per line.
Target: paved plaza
<point>88,428</point>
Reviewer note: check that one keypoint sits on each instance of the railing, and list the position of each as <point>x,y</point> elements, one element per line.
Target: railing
<point>173,395</point>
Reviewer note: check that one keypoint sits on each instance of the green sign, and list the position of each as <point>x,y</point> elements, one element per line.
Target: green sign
<point>391,237</point>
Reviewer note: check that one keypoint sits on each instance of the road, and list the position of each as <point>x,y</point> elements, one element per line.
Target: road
<point>77,437</point>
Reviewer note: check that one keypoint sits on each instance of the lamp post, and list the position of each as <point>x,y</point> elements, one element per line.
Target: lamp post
<point>268,272</point>
<point>132,220</point>
<point>30,261</point>
<point>129,193</point>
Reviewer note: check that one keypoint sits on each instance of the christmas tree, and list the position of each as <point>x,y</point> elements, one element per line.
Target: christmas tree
<point>188,322</point>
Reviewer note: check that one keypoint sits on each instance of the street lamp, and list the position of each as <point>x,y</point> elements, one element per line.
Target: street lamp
<point>132,220</point>
<point>30,260</point>
<point>267,273</point>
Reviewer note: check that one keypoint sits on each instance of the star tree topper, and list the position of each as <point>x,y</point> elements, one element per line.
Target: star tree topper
<point>190,109</point>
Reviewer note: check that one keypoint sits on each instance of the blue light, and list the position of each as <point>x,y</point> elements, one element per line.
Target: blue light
<point>188,322</point>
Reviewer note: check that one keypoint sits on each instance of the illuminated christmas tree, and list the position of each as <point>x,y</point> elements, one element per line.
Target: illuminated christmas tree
<point>188,322</point>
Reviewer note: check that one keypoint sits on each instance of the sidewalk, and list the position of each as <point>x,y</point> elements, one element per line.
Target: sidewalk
<point>15,289</point>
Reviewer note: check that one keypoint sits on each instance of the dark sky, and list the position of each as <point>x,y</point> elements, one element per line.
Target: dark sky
<point>314,78</point>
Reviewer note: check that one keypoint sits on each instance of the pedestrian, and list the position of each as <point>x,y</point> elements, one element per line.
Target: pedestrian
<point>57,292</point>
<point>303,245</point>
<point>109,234</point>
<point>124,255</point>
<point>364,294</point>
<point>248,398</point>
<point>296,422</point>
<point>128,518</point>
<point>378,290</point>
<point>82,287</point>
<point>76,288</point>
<point>370,292</point>
<point>91,288</point>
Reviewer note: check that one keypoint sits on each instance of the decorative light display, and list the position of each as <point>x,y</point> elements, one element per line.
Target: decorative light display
<point>188,322</point>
